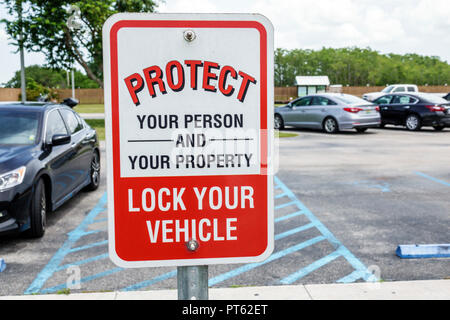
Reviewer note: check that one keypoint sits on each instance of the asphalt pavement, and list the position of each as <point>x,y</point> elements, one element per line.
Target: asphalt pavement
<point>343,203</point>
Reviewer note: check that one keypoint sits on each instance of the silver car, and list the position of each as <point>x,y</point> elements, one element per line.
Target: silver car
<point>330,112</point>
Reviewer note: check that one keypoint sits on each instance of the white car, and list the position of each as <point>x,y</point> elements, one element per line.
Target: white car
<point>395,88</point>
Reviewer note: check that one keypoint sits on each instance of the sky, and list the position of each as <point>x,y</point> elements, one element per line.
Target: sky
<point>387,26</point>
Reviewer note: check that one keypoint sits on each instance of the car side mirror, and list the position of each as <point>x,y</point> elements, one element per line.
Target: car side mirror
<point>60,139</point>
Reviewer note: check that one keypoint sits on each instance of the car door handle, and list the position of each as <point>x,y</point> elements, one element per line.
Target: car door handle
<point>406,107</point>
<point>384,108</point>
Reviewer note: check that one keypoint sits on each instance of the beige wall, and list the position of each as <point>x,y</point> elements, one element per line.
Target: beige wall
<point>87,96</point>
<point>282,94</point>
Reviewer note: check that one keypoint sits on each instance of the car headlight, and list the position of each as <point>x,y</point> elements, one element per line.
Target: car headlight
<point>12,178</point>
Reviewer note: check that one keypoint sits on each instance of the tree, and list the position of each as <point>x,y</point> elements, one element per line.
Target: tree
<point>50,78</point>
<point>46,26</point>
<point>358,67</point>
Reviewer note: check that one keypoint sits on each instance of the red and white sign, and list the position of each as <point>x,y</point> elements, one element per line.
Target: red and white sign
<point>188,115</point>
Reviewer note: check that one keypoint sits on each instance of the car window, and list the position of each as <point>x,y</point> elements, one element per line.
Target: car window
<point>383,100</point>
<point>320,101</point>
<point>55,125</point>
<point>73,123</point>
<point>399,89</point>
<point>302,102</point>
<point>411,89</point>
<point>403,100</point>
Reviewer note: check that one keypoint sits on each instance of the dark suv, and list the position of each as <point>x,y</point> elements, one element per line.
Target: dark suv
<point>414,110</point>
<point>47,154</point>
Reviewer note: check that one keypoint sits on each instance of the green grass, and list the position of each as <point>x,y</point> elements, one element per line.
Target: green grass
<point>99,126</point>
<point>90,108</point>
<point>279,134</point>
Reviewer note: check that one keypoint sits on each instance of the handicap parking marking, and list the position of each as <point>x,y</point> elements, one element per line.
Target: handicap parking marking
<point>432,178</point>
<point>283,194</point>
<point>360,272</point>
<point>54,264</point>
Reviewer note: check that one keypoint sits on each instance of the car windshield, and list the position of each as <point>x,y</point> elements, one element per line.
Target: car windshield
<point>18,127</point>
<point>387,89</point>
<point>349,99</point>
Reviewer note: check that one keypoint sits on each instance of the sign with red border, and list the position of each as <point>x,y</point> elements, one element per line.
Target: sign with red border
<point>188,117</point>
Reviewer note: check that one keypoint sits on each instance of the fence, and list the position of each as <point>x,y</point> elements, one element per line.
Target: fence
<point>282,94</point>
<point>86,96</point>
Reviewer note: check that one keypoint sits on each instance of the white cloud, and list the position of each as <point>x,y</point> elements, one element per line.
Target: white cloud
<point>400,26</point>
<point>388,26</point>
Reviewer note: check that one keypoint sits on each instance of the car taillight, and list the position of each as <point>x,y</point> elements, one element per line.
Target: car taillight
<point>435,108</point>
<point>353,109</point>
<point>377,108</point>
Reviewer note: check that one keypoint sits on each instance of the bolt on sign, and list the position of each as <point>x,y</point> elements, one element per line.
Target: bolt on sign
<point>188,109</point>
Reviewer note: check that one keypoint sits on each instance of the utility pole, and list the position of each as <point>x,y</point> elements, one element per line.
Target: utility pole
<point>73,84</point>
<point>22,57</point>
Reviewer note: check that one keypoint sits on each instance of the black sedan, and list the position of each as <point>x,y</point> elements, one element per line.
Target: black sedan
<point>414,110</point>
<point>47,154</point>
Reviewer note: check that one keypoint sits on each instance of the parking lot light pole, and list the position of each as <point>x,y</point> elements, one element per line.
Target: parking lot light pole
<point>22,57</point>
<point>192,283</point>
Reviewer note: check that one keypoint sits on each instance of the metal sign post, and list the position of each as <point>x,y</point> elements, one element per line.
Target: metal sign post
<point>192,283</point>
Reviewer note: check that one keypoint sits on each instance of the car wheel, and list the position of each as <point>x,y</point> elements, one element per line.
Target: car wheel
<point>438,128</point>
<point>413,122</point>
<point>95,173</point>
<point>330,125</point>
<point>361,130</point>
<point>38,214</point>
<point>278,122</point>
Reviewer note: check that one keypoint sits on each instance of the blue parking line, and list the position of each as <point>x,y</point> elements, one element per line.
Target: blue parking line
<point>310,268</point>
<point>73,236</point>
<point>274,256</point>
<point>293,231</point>
<point>288,216</point>
<point>88,246</point>
<point>355,262</point>
<point>85,279</point>
<point>432,178</point>
<point>150,282</point>
<point>81,262</point>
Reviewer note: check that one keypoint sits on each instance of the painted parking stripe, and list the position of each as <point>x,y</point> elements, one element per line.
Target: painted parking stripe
<point>432,178</point>
<point>81,262</point>
<point>274,256</point>
<point>310,268</point>
<point>83,280</point>
<point>150,282</point>
<point>288,216</point>
<point>355,262</point>
<point>73,236</point>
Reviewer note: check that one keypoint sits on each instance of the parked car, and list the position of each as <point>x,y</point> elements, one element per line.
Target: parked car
<point>395,88</point>
<point>330,112</point>
<point>447,97</point>
<point>414,110</point>
<point>47,154</point>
